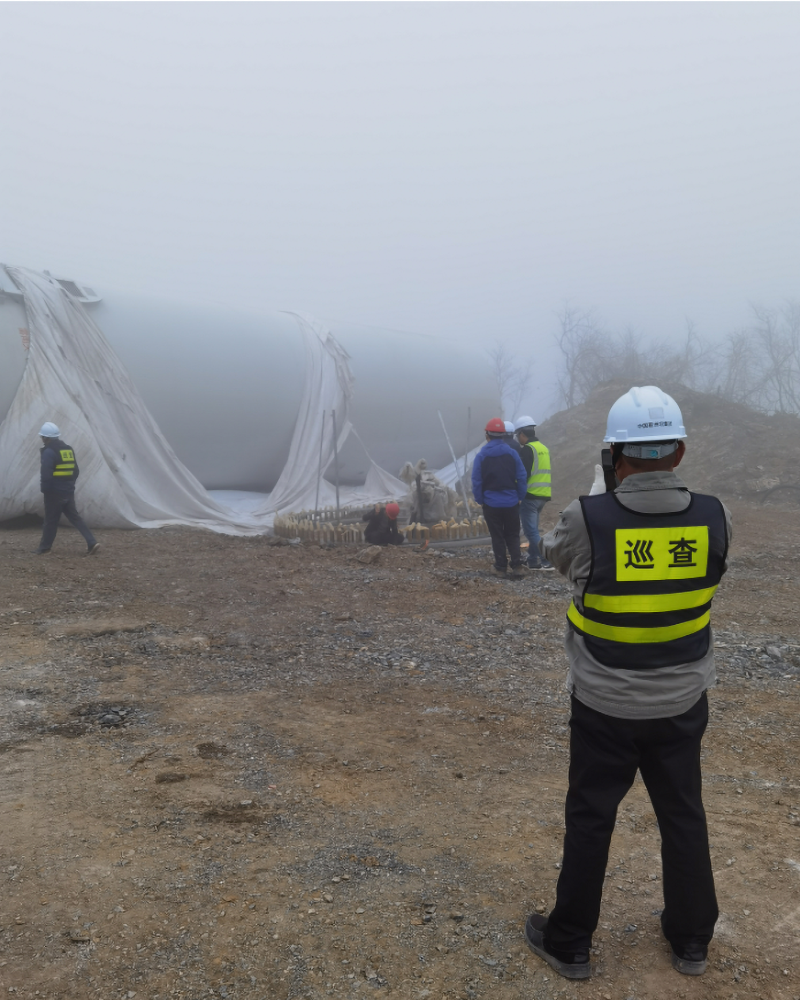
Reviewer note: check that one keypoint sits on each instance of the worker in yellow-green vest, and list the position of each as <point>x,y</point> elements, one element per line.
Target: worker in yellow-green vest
<point>536,459</point>
<point>643,562</point>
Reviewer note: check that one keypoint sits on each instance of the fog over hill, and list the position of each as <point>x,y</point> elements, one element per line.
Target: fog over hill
<point>731,450</point>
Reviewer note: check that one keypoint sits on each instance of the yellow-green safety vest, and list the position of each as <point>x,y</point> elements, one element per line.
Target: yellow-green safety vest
<point>539,479</point>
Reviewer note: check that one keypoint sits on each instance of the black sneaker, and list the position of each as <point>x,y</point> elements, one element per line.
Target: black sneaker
<point>570,966</point>
<point>499,571</point>
<point>693,962</point>
<point>690,960</point>
<point>40,552</point>
<point>93,549</point>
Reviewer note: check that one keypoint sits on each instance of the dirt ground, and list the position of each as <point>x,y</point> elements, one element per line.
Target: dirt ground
<point>245,770</point>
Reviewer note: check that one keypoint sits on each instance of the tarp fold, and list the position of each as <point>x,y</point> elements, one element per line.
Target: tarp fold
<point>129,474</point>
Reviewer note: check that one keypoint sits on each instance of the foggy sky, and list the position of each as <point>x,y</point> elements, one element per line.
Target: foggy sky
<point>455,169</point>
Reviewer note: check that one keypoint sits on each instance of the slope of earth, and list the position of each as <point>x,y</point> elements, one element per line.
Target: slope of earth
<point>237,769</point>
<point>731,449</point>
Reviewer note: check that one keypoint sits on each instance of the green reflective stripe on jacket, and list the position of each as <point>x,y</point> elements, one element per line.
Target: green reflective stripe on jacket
<point>61,470</point>
<point>647,603</point>
<point>539,479</point>
<point>619,633</point>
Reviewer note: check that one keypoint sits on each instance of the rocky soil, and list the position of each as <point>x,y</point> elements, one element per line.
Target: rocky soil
<point>238,769</point>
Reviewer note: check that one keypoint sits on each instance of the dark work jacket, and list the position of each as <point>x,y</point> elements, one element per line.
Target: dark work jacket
<point>498,475</point>
<point>526,455</point>
<point>59,468</point>
<point>381,529</point>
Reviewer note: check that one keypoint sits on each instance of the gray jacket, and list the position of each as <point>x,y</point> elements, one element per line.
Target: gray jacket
<point>625,694</point>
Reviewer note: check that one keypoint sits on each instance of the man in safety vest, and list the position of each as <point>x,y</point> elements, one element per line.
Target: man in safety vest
<point>644,562</point>
<point>59,470</point>
<point>536,459</point>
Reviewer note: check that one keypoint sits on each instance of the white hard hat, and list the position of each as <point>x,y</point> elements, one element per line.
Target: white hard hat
<point>509,427</point>
<point>49,430</point>
<point>644,413</point>
<point>524,421</point>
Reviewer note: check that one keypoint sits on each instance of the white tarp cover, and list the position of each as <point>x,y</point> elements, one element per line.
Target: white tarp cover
<point>453,474</point>
<point>129,474</point>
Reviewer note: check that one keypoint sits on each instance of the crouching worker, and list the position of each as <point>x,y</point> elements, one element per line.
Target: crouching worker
<point>382,525</point>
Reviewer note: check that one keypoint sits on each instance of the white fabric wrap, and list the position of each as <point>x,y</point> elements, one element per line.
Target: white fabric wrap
<point>129,474</point>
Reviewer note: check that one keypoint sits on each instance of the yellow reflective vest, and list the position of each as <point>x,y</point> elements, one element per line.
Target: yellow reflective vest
<point>65,465</point>
<point>647,600</point>
<point>539,479</point>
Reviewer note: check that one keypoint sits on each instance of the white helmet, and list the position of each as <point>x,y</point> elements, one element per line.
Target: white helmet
<point>644,414</point>
<point>509,427</point>
<point>49,430</point>
<point>524,421</point>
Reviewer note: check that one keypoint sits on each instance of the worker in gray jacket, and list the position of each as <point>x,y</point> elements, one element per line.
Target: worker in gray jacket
<point>643,562</point>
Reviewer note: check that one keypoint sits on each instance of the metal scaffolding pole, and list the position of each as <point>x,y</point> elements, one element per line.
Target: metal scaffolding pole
<point>455,466</point>
<point>319,471</point>
<point>466,449</point>
<point>336,461</point>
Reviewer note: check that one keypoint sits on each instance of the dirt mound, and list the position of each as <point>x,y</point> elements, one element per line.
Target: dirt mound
<point>731,449</point>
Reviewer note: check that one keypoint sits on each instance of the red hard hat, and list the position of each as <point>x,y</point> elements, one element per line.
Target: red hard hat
<point>392,510</point>
<point>495,426</point>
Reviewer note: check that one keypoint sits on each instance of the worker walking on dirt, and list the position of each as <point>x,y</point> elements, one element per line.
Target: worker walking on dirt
<point>381,526</point>
<point>536,459</point>
<point>59,470</point>
<point>498,484</point>
<point>644,562</point>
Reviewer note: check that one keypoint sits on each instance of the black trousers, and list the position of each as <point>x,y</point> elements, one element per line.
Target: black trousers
<point>56,503</point>
<point>503,525</point>
<point>605,754</point>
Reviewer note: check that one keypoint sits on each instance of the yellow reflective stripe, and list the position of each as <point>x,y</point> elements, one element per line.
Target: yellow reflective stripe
<point>62,473</point>
<point>621,603</point>
<point>619,633</point>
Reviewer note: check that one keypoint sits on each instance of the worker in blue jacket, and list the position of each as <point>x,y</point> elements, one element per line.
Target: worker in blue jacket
<point>59,470</point>
<point>499,483</point>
